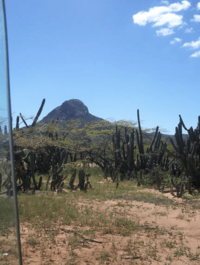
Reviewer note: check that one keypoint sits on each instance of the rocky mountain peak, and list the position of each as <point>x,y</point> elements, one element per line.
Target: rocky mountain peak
<point>73,109</point>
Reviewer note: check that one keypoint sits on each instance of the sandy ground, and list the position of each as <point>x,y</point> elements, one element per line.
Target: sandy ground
<point>167,235</point>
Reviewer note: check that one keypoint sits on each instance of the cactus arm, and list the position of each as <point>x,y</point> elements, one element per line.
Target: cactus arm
<point>39,112</point>
<point>150,148</point>
<point>23,120</point>
<point>140,132</point>
<point>182,123</point>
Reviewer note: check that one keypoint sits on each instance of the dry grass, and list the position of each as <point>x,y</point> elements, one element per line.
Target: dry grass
<point>104,226</point>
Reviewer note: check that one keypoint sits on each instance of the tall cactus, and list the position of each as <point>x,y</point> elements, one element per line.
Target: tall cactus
<point>17,123</point>
<point>155,135</point>
<point>38,113</point>
<point>140,141</point>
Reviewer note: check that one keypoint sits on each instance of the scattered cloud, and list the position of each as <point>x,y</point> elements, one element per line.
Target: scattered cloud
<point>175,40</point>
<point>183,24</point>
<point>165,2</point>
<point>171,19</point>
<point>189,30</point>
<point>196,18</point>
<point>196,54</point>
<point>165,16</point>
<point>161,15</point>
<point>192,44</point>
<point>164,32</point>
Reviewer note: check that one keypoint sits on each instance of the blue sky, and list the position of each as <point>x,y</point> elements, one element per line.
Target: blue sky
<point>115,56</point>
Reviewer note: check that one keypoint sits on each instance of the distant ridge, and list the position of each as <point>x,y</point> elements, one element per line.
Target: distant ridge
<point>167,137</point>
<point>75,109</point>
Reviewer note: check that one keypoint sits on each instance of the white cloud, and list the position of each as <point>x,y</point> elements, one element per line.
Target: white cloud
<point>171,19</point>
<point>165,2</point>
<point>196,54</point>
<point>164,32</point>
<point>196,18</point>
<point>161,15</point>
<point>192,44</point>
<point>183,24</point>
<point>176,7</point>
<point>175,40</point>
<point>198,5</point>
<point>189,30</point>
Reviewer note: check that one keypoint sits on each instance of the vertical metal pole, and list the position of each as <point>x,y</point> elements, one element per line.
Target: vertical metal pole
<point>11,135</point>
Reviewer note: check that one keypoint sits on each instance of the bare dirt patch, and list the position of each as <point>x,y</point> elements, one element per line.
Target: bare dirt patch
<point>163,234</point>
